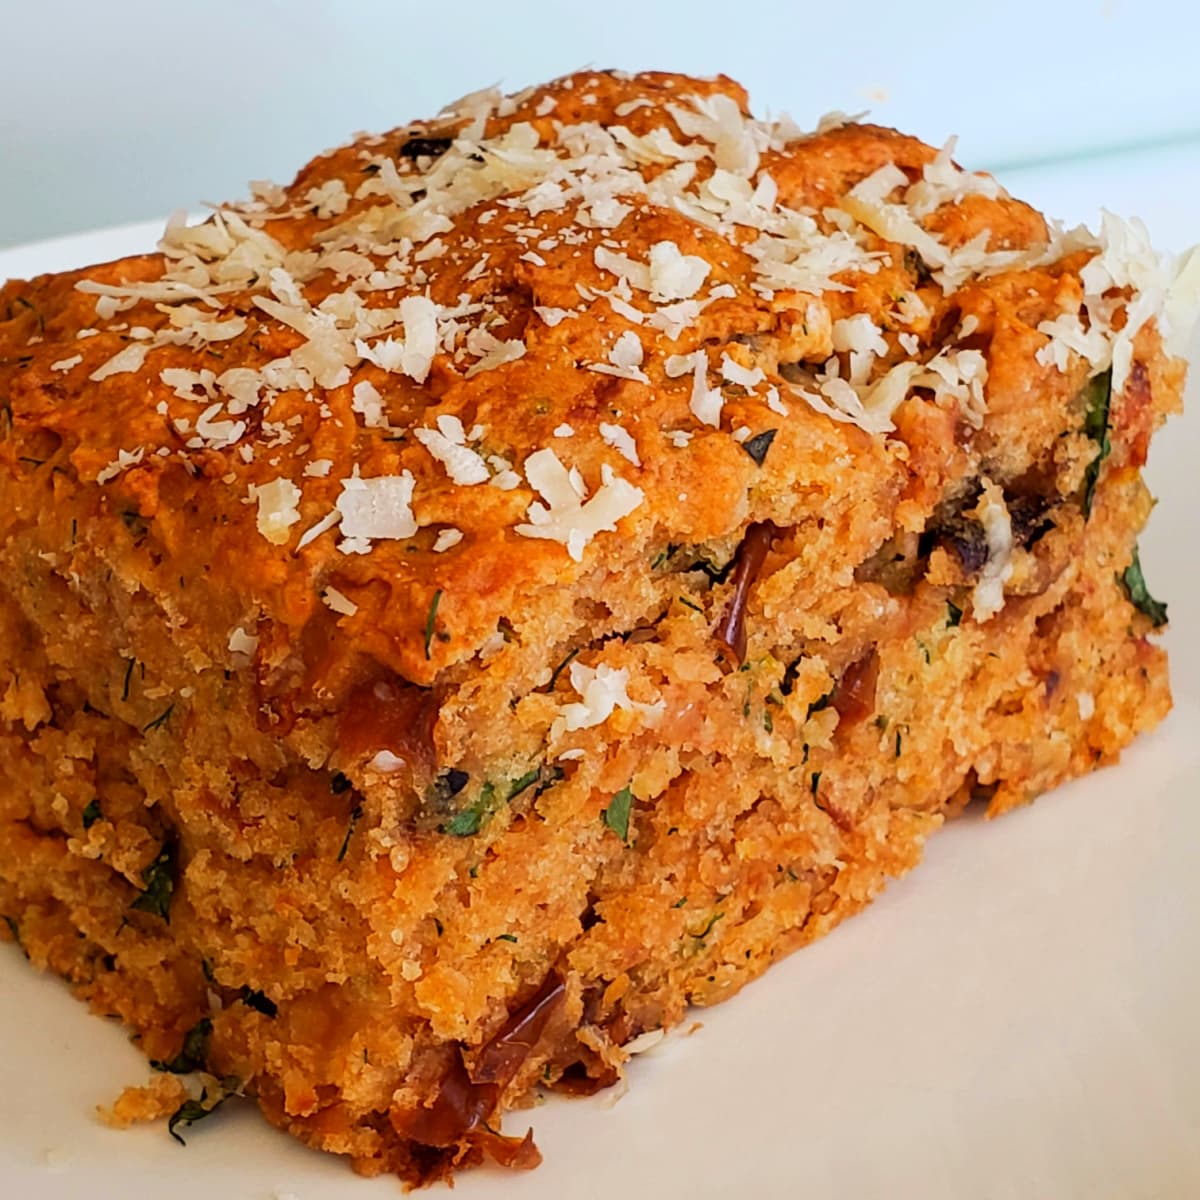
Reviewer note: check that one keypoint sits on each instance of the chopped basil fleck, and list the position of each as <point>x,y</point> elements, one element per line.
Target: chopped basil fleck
<point>525,781</point>
<point>506,937</point>
<point>159,878</point>
<point>355,813</point>
<point>1097,396</point>
<point>708,927</point>
<point>191,1111</point>
<point>468,821</point>
<point>159,721</point>
<point>562,666</point>
<point>465,823</point>
<point>664,556</point>
<point>616,815</point>
<point>128,677</point>
<point>91,814</point>
<point>1134,583</point>
<point>758,445</point>
<point>194,1054</point>
<point>429,620</point>
<point>953,614</point>
<point>690,604</point>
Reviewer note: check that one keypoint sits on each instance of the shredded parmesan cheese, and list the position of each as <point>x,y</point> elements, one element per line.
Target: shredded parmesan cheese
<point>278,509</point>
<point>338,601</point>
<point>376,508</point>
<point>564,513</point>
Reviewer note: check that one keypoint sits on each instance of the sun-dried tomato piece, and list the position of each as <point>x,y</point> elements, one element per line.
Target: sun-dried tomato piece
<point>730,630</point>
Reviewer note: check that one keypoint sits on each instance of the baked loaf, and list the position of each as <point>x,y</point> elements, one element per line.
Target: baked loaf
<point>538,569</point>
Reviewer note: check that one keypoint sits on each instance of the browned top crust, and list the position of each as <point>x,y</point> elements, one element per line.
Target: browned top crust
<point>474,370</point>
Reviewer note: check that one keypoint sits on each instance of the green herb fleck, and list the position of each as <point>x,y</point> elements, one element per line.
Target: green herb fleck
<point>468,821</point>
<point>526,781</point>
<point>819,703</point>
<point>616,815</point>
<point>1134,583</point>
<point>768,721</point>
<point>664,556</point>
<point>816,783</point>
<point>562,666</point>
<point>898,743</point>
<point>506,937</point>
<point>194,1054</point>
<point>680,902</point>
<point>924,650</point>
<point>708,927</point>
<point>128,677</point>
<point>91,814</point>
<point>953,614</point>
<point>355,813</point>
<point>1097,395</point>
<point>465,823</point>
<point>159,721</point>
<point>258,1001</point>
<point>759,444</point>
<point>159,878</point>
<point>690,604</point>
<point>191,1111</point>
<point>429,620</point>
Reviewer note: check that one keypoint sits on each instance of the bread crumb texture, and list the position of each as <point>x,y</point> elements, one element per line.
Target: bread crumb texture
<point>462,609</point>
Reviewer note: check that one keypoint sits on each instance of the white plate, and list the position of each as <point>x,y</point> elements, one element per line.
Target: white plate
<point>1016,1019</point>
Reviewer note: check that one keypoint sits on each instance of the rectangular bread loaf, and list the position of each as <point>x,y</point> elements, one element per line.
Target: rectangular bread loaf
<point>536,570</point>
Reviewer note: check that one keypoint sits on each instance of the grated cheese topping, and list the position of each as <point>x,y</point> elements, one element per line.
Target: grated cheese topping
<point>278,509</point>
<point>602,691</point>
<point>380,507</point>
<point>447,444</point>
<point>241,642</point>
<point>338,601</point>
<point>359,339</point>
<point>565,513</point>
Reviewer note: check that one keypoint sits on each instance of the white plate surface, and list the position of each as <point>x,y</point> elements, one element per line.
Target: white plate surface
<point>1018,1019</point>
